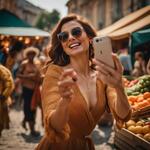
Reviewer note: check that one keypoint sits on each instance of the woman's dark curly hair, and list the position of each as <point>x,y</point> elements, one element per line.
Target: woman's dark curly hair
<point>56,53</point>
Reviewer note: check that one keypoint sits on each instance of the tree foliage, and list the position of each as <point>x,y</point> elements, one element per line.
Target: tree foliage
<point>47,20</point>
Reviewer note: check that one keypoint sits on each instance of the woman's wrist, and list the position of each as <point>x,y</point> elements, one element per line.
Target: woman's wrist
<point>120,88</point>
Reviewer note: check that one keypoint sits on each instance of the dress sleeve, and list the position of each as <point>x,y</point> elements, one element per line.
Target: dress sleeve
<point>111,98</point>
<point>50,99</point>
<point>8,83</point>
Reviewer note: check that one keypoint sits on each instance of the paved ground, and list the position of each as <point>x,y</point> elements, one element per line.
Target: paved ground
<point>16,138</point>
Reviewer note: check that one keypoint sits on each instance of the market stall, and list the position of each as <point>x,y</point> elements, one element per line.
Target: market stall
<point>136,132</point>
<point>134,28</point>
<point>140,41</point>
<point>13,29</point>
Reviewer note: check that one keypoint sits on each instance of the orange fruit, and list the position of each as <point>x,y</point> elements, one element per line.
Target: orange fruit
<point>148,100</point>
<point>146,95</point>
<point>143,104</point>
<point>132,98</point>
<point>140,99</point>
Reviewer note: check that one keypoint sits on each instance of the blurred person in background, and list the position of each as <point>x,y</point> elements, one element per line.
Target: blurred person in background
<point>3,55</point>
<point>6,88</point>
<point>40,63</point>
<point>139,65</point>
<point>148,67</point>
<point>30,77</point>
<point>73,93</point>
<point>14,49</point>
<point>125,60</point>
<point>7,61</point>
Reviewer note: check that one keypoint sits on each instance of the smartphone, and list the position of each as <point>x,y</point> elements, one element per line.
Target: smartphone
<point>103,50</point>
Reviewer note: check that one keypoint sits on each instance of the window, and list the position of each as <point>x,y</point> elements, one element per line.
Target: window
<point>117,10</point>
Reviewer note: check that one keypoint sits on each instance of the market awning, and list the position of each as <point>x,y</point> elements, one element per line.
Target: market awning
<point>23,31</point>
<point>127,20</point>
<point>140,37</point>
<point>127,30</point>
<point>8,19</point>
<point>10,24</point>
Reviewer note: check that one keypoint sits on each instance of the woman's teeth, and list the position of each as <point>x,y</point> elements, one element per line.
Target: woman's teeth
<point>74,45</point>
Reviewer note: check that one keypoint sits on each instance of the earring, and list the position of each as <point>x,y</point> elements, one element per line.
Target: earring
<point>90,41</point>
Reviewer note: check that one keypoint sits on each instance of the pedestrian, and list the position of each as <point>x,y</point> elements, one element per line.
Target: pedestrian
<point>6,88</point>
<point>36,102</point>
<point>139,65</point>
<point>148,67</point>
<point>125,60</point>
<point>30,77</point>
<point>73,93</point>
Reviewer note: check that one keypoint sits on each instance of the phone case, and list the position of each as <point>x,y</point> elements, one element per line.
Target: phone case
<point>103,50</point>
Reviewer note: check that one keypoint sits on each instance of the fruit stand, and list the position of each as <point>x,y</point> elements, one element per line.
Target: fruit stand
<point>135,135</point>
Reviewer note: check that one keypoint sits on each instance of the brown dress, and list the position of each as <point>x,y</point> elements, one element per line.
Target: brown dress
<point>75,135</point>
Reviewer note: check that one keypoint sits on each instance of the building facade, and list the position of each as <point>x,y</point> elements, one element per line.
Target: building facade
<point>23,9</point>
<point>102,13</point>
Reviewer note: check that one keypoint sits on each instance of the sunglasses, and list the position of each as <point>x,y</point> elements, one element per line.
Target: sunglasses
<point>75,32</point>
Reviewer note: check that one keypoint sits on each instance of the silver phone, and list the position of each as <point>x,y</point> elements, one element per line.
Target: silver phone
<point>103,50</point>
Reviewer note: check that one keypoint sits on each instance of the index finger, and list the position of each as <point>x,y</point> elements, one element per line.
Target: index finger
<point>68,73</point>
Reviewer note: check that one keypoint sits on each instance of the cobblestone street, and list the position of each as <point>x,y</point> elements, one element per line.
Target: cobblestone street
<point>16,138</point>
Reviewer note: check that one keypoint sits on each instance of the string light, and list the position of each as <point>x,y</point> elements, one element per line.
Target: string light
<point>37,37</point>
<point>27,41</point>
<point>20,38</point>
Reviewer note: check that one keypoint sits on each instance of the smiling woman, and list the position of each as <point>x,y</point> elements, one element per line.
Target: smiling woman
<point>74,93</point>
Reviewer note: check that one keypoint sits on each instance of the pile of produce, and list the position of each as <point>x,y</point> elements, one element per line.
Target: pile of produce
<point>129,83</point>
<point>140,101</point>
<point>137,86</point>
<point>140,128</point>
<point>138,93</point>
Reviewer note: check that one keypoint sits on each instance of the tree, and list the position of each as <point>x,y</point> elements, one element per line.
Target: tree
<point>47,20</point>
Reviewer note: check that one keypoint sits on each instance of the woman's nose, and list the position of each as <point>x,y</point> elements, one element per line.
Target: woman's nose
<point>71,37</point>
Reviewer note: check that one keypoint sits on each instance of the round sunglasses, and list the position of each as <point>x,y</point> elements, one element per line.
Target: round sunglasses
<point>75,32</point>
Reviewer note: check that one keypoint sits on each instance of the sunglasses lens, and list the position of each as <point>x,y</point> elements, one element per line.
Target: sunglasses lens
<point>63,36</point>
<point>76,32</point>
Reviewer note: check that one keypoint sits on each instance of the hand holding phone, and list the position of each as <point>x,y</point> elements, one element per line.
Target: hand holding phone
<point>103,50</point>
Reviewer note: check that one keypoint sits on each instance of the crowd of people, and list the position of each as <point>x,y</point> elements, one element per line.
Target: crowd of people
<point>20,84</point>
<point>69,86</point>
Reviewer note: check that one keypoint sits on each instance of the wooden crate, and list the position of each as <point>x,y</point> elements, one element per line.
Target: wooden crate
<point>126,140</point>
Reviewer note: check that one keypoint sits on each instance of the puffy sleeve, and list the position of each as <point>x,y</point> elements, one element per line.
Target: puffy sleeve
<point>111,98</point>
<point>50,99</point>
<point>8,83</point>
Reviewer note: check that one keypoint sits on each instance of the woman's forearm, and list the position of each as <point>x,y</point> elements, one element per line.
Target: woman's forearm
<point>60,116</point>
<point>122,106</point>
